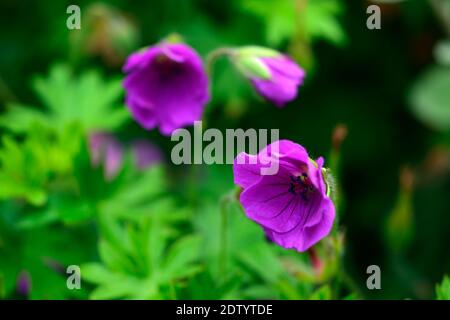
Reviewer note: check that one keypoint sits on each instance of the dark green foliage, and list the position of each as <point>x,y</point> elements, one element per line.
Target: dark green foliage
<point>178,232</point>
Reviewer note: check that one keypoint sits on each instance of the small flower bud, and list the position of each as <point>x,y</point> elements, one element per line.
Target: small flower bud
<point>275,76</point>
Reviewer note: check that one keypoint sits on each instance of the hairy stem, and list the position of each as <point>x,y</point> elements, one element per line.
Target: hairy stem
<point>213,56</point>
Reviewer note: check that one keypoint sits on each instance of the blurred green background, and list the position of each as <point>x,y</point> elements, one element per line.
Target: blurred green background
<point>159,234</point>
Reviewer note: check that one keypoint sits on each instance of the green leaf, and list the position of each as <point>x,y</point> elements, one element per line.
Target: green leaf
<point>180,256</point>
<point>113,234</point>
<point>284,19</point>
<point>443,289</point>
<point>30,165</point>
<point>145,264</point>
<point>323,293</point>
<point>98,273</point>
<point>114,259</point>
<point>279,17</point>
<point>322,21</point>
<point>120,288</point>
<point>72,211</point>
<point>430,98</point>
<point>86,99</point>
<point>38,219</point>
<point>18,118</point>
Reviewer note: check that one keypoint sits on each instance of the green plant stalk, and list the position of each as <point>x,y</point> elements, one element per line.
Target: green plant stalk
<point>213,56</point>
<point>223,234</point>
<point>224,201</point>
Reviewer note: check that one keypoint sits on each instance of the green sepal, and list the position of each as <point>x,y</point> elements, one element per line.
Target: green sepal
<point>253,67</point>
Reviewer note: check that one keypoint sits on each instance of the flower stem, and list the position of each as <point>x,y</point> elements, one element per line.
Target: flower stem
<point>210,60</point>
<point>338,137</point>
<point>224,201</point>
<point>213,56</point>
<point>223,234</point>
<point>315,261</point>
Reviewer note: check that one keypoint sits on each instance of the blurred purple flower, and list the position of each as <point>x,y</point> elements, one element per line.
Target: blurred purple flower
<point>292,206</point>
<point>146,154</point>
<point>166,86</point>
<point>285,78</point>
<point>23,284</point>
<point>105,149</point>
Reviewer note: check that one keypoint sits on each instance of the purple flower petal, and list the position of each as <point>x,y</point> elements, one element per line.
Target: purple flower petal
<point>146,154</point>
<point>249,169</point>
<point>113,157</point>
<point>105,149</point>
<point>286,77</point>
<point>166,86</point>
<point>142,112</point>
<point>302,239</point>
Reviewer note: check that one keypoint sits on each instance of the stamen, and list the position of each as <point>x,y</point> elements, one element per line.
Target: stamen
<point>301,185</point>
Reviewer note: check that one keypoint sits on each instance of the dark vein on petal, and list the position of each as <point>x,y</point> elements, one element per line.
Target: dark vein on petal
<point>311,207</point>
<point>284,208</point>
<point>276,196</point>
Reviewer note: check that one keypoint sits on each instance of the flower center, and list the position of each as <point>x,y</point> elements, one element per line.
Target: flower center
<point>167,68</point>
<point>301,185</point>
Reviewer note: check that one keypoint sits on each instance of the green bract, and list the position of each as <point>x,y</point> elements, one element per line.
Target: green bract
<point>252,67</point>
<point>248,61</point>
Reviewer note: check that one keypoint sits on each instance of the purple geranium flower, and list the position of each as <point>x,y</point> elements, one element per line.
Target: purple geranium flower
<point>293,205</point>
<point>146,154</point>
<point>275,76</point>
<point>105,149</point>
<point>166,86</point>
